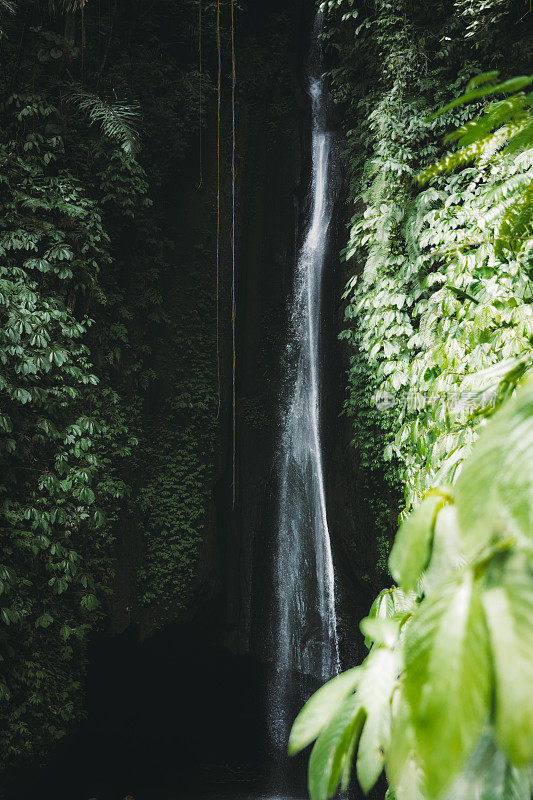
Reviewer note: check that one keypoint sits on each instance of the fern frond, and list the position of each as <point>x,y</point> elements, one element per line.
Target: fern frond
<point>452,161</point>
<point>505,125</point>
<point>479,80</point>
<point>522,140</point>
<point>516,224</point>
<point>507,87</point>
<point>496,114</point>
<point>117,120</point>
<point>8,5</point>
<point>506,189</point>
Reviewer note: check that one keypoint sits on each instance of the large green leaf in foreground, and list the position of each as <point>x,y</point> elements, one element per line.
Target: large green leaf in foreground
<point>328,757</point>
<point>321,708</point>
<point>509,612</point>
<point>494,492</point>
<point>403,770</point>
<point>374,693</point>
<point>410,553</point>
<point>489,776</point>
<point>448,679</point>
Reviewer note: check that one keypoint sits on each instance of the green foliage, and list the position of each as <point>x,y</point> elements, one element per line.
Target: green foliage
<point>435,665</point>
<point>116,120</point>
<point>441,300</point>
<point>321,708</point>
<point>178,451</point>
<point>439,313</point>
<point>55,485</point>
<point>410,554</point>
<point>85,255</point>
<point>506,126</point>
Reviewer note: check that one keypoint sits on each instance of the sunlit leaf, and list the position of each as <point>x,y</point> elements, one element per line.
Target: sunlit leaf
<point>509,612</point>
<point>410,553</point>
<point>328,755</point>
<point>448,679</point>
<point>374,693</point>
<point>321,708</point>
<point>494,492</point>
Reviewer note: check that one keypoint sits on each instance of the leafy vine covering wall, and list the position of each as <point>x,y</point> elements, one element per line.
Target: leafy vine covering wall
<point>86,255</point>
<point>434,300</point>
<point>439,314</point>
<point>112,323</point>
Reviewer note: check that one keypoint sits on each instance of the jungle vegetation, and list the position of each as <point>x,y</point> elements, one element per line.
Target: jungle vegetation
<point>90,146</point>
<point>440,326</point>
<point>115,360</point>
<point>115,367</point>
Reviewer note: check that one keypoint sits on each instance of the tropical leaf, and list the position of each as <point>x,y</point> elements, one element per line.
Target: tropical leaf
<point>321,708</point>
<point>494,491</point>
<point>509,612</point>
<point>381,631</point>
<point>403,769</point>
<point>117,121</point>
<point>412,546</point>
<point>389,603</point>
<point>447,680</point>
<point>374,693</point>
<point>328,756</point>
<point>446,552</point>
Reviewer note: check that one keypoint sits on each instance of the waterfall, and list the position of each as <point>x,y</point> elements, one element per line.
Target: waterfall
<point>304,624</point>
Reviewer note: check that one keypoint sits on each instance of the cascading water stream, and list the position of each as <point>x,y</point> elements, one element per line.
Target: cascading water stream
<point>305,628</point>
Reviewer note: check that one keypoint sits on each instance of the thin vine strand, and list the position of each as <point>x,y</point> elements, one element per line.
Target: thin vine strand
<point>233,299</point>
<point>200,70</point>
<point>219,92</point>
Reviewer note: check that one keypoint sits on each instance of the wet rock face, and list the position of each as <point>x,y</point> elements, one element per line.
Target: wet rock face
<point>274,181</point>
<point>273,167</point>
<point>223,549</point>
<point>149,705</point>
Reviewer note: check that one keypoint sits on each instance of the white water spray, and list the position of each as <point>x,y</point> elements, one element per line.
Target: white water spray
<point>305,624</point>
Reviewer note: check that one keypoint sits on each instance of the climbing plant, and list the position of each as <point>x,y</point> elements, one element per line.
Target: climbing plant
<point>85,257</point>
<point>56,482</point>
<point>440,310</point>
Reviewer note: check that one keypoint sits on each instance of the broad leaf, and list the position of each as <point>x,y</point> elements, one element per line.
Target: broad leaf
<point>328,757</point>
<point>489,776</point>
<point>448,679</point>
<point>446,553</point>
<point>410,553</point>
<point>403,770</point>
<point>390,603</point>
<point>374,693</point>
<point>509,613</point>
<point>494,492</point>
<point>380,631</point>
<point>320,708</point>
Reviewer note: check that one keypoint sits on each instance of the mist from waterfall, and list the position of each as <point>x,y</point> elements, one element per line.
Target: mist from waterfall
<point>304,624</point>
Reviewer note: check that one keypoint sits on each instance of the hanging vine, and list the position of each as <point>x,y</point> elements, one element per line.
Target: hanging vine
<point>200,78</point>
<point>233,303</point>
<point>219,97</point>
